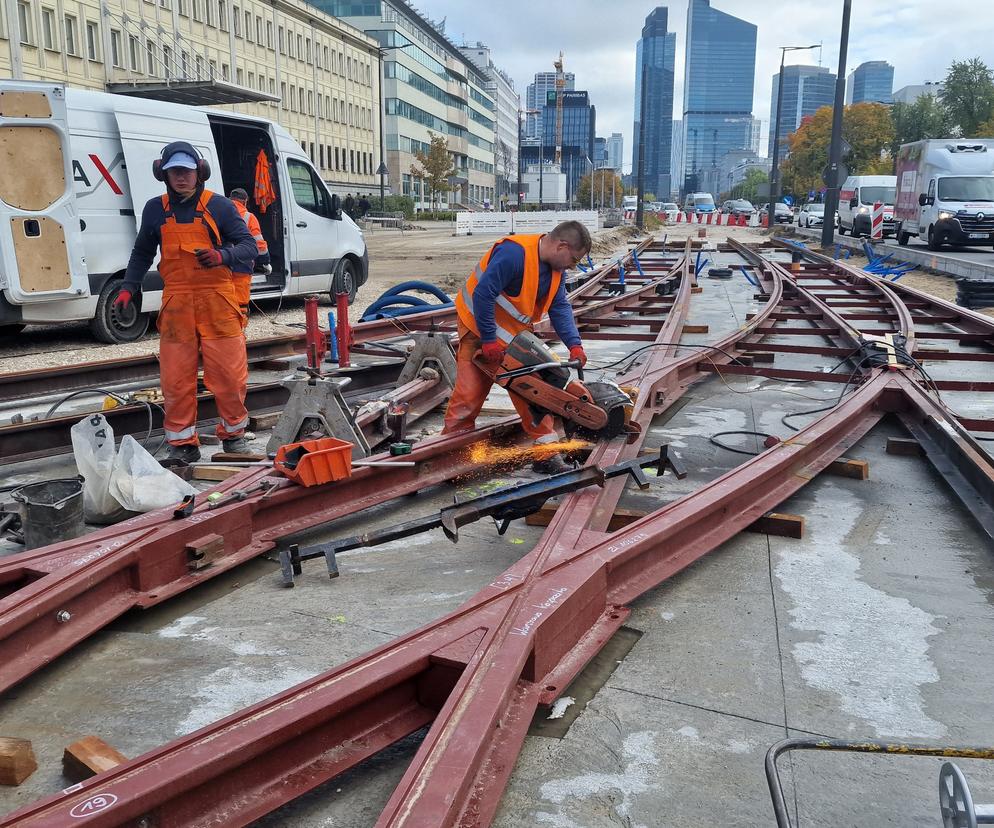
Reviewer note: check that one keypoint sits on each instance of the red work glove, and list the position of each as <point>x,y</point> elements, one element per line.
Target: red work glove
<point>210,257</point>
<point>123,298</point>
<point>577,352</point>
<point>493,352</point>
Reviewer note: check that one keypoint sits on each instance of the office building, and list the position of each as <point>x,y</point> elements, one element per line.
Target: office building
<point>806,89</point>
<point>615,151</point>
<point>910,94</point>
<point>500,87</point>
<point>535,96</point>
<point>600,153</point>
<point>655,54</point>
<point>734,166</point>
<point>871,82</point>
<point>285,61</point>
<point>756,139</point>
<point>720,69</point>
<point>429,88</point>
<point>676,158</point>
<point>579,125</point>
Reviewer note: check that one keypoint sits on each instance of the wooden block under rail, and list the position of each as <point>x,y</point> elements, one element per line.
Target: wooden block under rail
<point>17,760</point>
<point>905,446</point>
<point>856,469</point>
<point>259,422</point>
<point>695,329</point>
<point>88,757</point>
<point>780,524</point>
<point>215,473</point>
<point>619,520</point>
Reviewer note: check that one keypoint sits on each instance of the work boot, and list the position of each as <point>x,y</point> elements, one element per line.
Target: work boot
<point>186,453</point>
<point>236,445</point>
<point>551,465</point>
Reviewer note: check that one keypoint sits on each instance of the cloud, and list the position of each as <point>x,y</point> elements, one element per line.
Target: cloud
<point>598,40</point>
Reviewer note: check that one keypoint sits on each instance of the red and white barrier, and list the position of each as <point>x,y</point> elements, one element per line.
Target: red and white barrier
<point>877,221</point>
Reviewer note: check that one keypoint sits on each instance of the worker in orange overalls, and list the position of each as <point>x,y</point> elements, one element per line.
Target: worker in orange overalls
<point>201,238</point>
<point>516,283</point>
<point>243,281</point>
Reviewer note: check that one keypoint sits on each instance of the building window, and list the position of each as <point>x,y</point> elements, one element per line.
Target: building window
<point>289,43</point>
<point>293,98</point>
<point>310,102</point>
<point>225,72</point>
<point>272,86</point>
<point>327,65</point>
<point>92,39</point>
<point>282,45</point>
<point>181,7</point>
<point>167,61</point>
<point>269,34</point>
<point>222,15</point>
<point>236,21</point>
<point>252,80</point>
<point>258,30</point>
<point>248,25</point>
<point>195,10</point>
<point>240,77</point>
<point>150,58</point>
<point>210,12</point>
<point>48,28</point>
<point>307,49</point>
<point>134,53</point>
<point>337,165</point>
<point>200,67</point>
<point>212,66</point>
<point>321,154</point>
<point>300,47</point>
<point>351,160</point>
<point>72,35</point>
<point>283,97</point>
<point>115,49</point>
<point>185,64</point>
<point>24,22</point>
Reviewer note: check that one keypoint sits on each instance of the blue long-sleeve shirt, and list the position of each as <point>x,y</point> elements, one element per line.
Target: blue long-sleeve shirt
<point>505,274</point>
<point>238,248</point>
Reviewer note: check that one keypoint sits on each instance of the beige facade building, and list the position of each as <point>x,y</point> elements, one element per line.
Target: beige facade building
<point>282,59</point>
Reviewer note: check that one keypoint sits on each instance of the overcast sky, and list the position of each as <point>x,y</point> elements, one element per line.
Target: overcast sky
<point>918,37</point>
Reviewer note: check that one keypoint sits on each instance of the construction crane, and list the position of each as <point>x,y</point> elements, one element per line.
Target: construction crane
<point>560,89</point>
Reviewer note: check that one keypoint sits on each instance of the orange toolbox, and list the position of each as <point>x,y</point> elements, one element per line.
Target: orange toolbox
<point>313,462</point>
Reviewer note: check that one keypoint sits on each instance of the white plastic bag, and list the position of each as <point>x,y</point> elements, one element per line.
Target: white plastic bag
<point>93,448</point>
<point>119,483</point>
<point>140,484</point>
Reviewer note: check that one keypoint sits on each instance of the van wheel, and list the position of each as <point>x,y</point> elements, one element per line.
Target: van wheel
<point>934,243</point>
<point>344,280</point>
<point>114,325</point>
<point>902,238</point>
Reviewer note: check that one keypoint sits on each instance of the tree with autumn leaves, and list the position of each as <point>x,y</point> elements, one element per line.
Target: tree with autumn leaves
<point>866,127</point>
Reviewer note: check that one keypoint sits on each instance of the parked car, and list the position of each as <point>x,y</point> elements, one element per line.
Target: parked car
<point>739,207</point>
<point>811,215</point>
<point>782,214</point>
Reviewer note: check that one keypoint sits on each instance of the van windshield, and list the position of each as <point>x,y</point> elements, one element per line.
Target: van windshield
<point>967,188</point>
<point>871,195</point>
<point>703,201</point>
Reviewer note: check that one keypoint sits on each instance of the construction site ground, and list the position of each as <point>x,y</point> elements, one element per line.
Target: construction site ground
<point>873,625</point>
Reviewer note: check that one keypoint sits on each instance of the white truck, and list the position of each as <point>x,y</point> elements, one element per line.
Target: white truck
<point>76,171</point>
<point>945,192</point>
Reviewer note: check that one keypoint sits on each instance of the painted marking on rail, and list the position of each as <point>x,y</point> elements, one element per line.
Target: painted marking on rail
<point>624,543</point>
<point>553,599</point>
<point>528,626</point>
<point>96,803</point>
<point>505,582</point>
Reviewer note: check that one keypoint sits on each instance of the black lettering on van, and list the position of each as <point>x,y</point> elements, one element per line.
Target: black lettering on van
<point>78,173</point>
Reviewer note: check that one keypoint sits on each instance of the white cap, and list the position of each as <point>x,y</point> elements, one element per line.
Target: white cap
<point>180,159</point>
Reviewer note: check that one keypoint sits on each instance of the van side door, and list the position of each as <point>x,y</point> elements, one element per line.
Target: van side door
<point>314,230</point>
<point>41,241</point>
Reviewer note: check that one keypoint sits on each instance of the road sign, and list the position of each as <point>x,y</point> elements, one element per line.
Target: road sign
<point>788,200</point>
<point>846,148</point>
<point>841,175</point>
<point>382,169</point>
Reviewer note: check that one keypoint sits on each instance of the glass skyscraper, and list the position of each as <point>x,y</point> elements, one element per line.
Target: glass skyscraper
<point>871,82</point>
<point>806,89</point>
<point>655,54</point>
<point>717,91</point>
<point>579,127</point>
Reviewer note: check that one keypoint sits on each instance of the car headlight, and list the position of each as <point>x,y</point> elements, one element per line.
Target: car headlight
<point>944,214</point>
<point>864,210</point>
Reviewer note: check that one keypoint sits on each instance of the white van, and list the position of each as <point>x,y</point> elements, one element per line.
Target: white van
<point>69,219</point>
<point>856,200</point>
<point>699,203</point>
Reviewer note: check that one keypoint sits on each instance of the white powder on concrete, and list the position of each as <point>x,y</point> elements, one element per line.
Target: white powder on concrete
<point>561,706</point>
<point>689,732</point>
<point>872,648</point>
<point>667,616</point>
<point>637,776</point>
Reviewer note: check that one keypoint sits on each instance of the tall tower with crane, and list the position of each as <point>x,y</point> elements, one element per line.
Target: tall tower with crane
<point>560,89</point>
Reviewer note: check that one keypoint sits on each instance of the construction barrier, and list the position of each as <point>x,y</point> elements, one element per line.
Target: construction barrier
<point>505,224</point>
<point>877,221</point>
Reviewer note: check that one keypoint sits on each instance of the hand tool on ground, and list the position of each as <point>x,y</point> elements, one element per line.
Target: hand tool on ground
<point>504,505</point>
<point>594,409</point>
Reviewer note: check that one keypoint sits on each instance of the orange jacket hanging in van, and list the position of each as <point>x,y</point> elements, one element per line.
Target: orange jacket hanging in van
<point>264,192</point>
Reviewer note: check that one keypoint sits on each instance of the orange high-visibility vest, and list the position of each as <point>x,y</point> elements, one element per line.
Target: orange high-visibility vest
<point>513,314</point>
<point>253,225</point>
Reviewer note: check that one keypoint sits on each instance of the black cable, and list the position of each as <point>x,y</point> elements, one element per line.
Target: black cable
<point>738,450</point>
<point>845,388</point>
<point>123,401</point>
<point>637,351</point>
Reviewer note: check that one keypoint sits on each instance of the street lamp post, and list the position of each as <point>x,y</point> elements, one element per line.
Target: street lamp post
<point>775,167</point>
<point>835,149</point>
<point>382,169</point>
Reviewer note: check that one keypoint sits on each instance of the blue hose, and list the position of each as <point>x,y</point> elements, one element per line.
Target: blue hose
<point>396,302</point>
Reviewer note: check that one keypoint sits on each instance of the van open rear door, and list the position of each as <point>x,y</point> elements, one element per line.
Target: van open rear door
<point>41,243</point>
<point>142,139</point>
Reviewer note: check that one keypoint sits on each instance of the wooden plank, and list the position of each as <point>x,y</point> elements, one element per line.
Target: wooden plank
<point>856,469</point>
<point>17,760</point>
<point>205,472</point>
<point>695,329</point>
<point>88,757</point>
<point>762,356</point>
<point>231,457</point>
<point>263,421</point>
<point>905,446</point>
<point>40,250</point>
<point>619,520</point>
<point>780,524</point>
<point>34,148</point>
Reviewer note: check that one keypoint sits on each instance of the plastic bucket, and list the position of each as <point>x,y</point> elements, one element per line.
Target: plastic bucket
<point>53,511</point>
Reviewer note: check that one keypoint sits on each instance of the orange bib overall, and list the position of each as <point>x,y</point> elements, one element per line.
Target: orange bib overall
<point>199,314</point>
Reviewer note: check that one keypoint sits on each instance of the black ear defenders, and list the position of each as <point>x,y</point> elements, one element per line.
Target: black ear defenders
<point>168,151</point>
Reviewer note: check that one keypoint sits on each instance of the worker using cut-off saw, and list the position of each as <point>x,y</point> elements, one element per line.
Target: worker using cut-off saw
<point>516,283</point>
<point>201,238</point>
